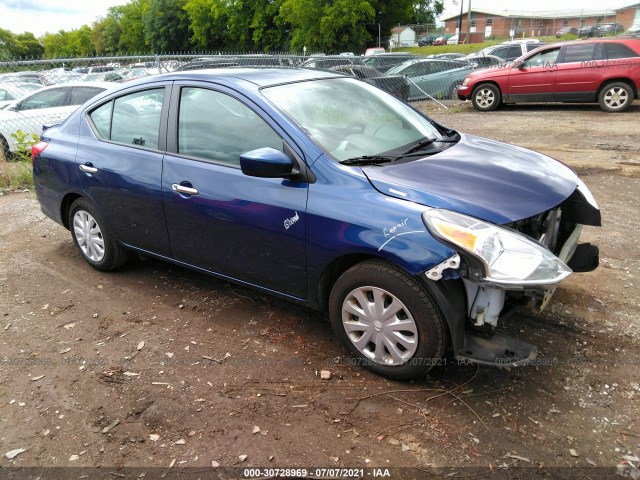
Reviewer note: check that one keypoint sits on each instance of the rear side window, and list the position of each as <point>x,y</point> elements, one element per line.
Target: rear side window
<point>580,53</point>
<point>101,118</point>
<point>47,99</point>
<point>132,119</point>
<point>618,50</point>
<point>79,95</point>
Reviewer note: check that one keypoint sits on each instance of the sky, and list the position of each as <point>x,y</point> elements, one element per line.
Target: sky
<point>40,16</point>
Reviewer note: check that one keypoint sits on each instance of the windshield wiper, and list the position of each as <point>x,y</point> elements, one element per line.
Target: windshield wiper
<point>428,141</point>
<point>379,159</point>
<point>367,160</point>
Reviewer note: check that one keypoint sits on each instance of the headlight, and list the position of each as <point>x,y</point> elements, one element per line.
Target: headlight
<point>510,259</point>
<point>465,81</point>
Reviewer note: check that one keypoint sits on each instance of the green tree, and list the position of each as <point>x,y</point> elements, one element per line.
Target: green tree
<point>167,26</point>
<point>344,25</point>
<point>270,32</point>
<point>57,45</point>
<point>132,33</point>
<point>304,17</point>
<point>6,44</point>
<point>80,42</point>
<point>26,45</point>
<point>426,11</point>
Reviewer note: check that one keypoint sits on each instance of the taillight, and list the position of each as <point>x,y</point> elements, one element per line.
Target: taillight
<point>37,149</point>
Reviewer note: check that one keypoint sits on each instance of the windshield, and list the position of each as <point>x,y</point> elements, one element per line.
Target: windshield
<point>349,118</point>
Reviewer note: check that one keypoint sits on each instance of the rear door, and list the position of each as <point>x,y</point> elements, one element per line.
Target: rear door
<point>247,228</point>
<point>120,165</point>
<point>580,71</point>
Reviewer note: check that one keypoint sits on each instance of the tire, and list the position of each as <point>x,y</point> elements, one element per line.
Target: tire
<point>5,153</point>
<point>92,238</point>
<point>453,90</point>
<point>399,352</point>
<point>486,97</point>
<point>615,97</point>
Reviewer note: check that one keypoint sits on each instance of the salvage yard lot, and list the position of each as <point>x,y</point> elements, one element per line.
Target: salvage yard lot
<point>154,363</point>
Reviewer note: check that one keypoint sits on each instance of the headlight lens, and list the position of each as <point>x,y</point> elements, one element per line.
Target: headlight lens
<point>465,81</point>
<point>510,259</point>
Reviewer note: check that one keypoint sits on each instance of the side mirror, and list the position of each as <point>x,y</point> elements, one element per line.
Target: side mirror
<point>266,163</point>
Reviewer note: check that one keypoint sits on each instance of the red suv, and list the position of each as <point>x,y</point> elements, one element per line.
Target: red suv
<point>583,71</point>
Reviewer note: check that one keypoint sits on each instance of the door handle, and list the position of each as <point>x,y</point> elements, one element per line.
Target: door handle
<point>182,189</point>
<point>88,168</point>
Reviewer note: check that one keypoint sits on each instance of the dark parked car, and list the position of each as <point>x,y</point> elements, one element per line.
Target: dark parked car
<point>447,56</point>
<point>327,62</point>
<point>605,29</point>
<point>566,31</point>
<point>587,31</point>
<point>209,62</point>
<point>396,85</point>
<point>384,62</point>
<point>606,71</point>
<point>426,41</point>
<point>328,192</point>
<point>484,61</point>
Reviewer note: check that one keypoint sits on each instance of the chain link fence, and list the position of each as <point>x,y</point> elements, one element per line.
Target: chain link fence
<point>36,93</point>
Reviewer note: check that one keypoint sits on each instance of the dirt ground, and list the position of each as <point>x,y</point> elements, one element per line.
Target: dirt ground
<point>158,366</point>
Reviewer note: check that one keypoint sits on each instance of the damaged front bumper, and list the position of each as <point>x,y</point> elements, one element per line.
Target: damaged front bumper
<point>488,302</point>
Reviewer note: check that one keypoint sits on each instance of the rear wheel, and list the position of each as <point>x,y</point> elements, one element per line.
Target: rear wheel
<point>387,320</point>
<point>98,248</point>
<point>486,97</point>
<point>616,97</point>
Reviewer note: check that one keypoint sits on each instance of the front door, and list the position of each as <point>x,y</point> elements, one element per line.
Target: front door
<point>533,80</point>
<point>247,228</point>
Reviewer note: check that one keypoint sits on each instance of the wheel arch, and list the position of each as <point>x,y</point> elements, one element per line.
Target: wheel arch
<point>484,82</point>
<point>608,81</point>
<point>333,270</point>
<point>449,295</point>
<point>65,207</point>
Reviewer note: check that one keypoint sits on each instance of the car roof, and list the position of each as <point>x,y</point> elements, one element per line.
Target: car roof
<point>260,76</point>
<point>79,84</point>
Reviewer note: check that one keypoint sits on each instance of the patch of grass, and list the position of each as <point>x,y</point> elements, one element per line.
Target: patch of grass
<point>15,175</point>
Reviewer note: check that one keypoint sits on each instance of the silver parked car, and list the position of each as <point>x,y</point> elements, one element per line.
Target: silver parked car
<point>45,106</point>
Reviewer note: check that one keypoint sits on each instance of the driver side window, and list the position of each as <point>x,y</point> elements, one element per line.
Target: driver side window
<point>545,59</point>
<point>216,127</point>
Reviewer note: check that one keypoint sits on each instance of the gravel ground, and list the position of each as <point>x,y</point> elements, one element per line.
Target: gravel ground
<point>157,366</point>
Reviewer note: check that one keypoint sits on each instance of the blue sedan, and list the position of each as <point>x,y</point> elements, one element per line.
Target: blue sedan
<point>325,191</point>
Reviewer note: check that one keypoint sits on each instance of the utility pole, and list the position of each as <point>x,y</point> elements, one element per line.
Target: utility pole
<point>468,23</point>
<point>460,19</point>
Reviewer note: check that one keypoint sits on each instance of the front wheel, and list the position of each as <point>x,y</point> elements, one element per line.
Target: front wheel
<point>616,97</point>
<point>98,248</point>
<point>387,320</point>
<point>486,97</point>
<point>453,90</point>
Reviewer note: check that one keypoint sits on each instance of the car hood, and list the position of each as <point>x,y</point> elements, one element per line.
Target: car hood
<point>489,180</point>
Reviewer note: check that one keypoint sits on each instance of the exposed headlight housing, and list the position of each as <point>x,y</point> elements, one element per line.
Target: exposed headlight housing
<point>586,193</point>
<point>509,259</point>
